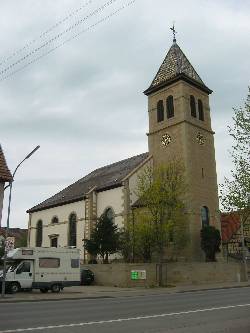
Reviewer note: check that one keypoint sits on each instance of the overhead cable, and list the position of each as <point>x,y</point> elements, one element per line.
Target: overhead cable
<point>59,35</point>
<point>42,35</point>
<point>89,28</point>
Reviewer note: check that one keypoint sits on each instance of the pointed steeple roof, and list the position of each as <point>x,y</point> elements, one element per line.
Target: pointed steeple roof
<point>5,175</point>
<point>176,66</point>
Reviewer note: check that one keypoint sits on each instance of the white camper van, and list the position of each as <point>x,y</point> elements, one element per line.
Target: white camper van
<point>42,268</point>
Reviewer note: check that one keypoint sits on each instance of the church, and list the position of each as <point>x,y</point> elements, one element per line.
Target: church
<point>179,125</point>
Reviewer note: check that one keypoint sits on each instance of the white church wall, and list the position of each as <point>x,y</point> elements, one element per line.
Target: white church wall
<point>61,228</point>
<point>113,199</point>
<point>133,181</point>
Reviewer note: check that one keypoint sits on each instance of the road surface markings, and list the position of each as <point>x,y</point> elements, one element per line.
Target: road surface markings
<point>124,319</point>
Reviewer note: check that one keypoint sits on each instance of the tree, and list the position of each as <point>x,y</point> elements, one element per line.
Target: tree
<point>210,242</point>
<point>235,192</point>
<point>144,236</point>
<point>104,239</point>
<point>2,243</point>
<point>126,244</point>
<point>162,190</point>
<point>137,239</point>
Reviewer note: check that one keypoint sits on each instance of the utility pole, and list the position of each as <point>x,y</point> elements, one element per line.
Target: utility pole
<point>8,221</point>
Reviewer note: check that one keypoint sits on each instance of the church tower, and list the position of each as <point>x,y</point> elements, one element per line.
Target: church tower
<point>180,126</point>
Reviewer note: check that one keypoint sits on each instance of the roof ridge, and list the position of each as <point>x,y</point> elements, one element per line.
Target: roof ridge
<point>116,163</point>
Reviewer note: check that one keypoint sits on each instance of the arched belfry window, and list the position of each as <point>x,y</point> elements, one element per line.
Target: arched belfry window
<point>39,233</point>
<point>204,216</point>
<point>170,106</point>
<point>72,229</point>
<point>160,111</point>
<point>200,110</point>
<point>192,106</point>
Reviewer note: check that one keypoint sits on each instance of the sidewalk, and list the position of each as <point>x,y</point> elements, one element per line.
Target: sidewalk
<point>93,292</point>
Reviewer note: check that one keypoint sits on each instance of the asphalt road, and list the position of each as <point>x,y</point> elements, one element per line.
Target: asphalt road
<point>211,311</point>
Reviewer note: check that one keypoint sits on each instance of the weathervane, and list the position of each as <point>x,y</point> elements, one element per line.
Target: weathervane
<point>174,32</point>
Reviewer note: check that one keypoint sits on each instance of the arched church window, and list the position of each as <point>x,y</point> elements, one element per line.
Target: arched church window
<point>200,110</point>
<point>55,220</point>
<point>204,216</point>
<point>39,233</point>
<point>110,214</point>
<point>72,230</point>
<point>170,106</point>
<point>192,106</point>
<point>160,111</point>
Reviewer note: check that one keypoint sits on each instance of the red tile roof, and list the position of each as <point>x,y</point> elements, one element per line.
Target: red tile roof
<point>230,223</point>
<point>5,175</point>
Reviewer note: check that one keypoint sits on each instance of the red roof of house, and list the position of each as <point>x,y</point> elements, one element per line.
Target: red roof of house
<point>13,232</point>
<point>5,175</point>
<point>230,223</point>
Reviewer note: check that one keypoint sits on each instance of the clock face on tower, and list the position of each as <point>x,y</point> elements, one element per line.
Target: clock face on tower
<point>166,140</point>
<point>200,139</point>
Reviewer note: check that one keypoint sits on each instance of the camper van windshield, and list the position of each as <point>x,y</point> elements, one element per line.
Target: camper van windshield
<point>13,266</point>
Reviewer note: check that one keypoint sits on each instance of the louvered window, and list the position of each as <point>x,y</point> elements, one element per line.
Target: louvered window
<point>160,111</point>
<point>192,106</point>
<point>170,106</point>
<point>200,110</point>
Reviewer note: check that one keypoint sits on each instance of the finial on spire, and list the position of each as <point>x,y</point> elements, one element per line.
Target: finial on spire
<point>174,32</point>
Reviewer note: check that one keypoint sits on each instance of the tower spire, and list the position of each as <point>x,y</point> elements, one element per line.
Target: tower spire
<point>174,32</point>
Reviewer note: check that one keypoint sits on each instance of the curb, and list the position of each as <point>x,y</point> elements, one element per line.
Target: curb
<point>214,288</point>
<point>53,299</point>
<point>170,291</point>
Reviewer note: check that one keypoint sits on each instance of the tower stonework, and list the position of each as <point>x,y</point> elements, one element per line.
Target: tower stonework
<point>180,127</point>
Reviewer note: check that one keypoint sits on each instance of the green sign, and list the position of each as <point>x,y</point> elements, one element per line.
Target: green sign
<point>134,275</point>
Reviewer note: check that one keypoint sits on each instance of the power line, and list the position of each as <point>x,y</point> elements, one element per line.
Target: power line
<point>106,18</point>
<point>72,14</point>
<point>59,35</point>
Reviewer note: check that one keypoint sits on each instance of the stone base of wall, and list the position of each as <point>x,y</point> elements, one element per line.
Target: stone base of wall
<point>119,275</point>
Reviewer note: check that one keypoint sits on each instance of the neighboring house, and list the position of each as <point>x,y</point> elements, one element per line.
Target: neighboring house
<point>179,126</point>
<point>5,176</point>
<point>231,234</point>
<point>20,235</point>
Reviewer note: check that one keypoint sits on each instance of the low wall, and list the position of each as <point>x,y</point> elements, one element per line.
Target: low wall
<point>173,274</point>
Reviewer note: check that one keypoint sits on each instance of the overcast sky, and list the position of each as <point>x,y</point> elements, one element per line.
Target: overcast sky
<point>83,102</point>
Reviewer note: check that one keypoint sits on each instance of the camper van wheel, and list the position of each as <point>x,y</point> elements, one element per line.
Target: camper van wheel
<point>44,290</point>
<point>55,288</point>
<point>14,287</point>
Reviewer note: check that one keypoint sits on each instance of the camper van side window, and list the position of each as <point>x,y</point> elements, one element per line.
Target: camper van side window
<point>49,262</point>
<point>74,263</point>
<point>24,268</point>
